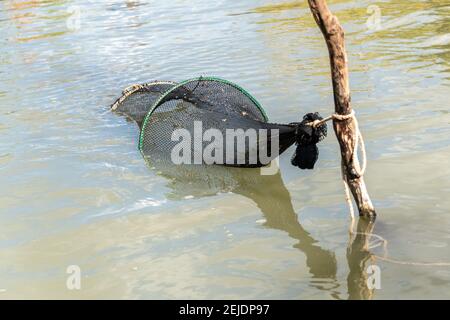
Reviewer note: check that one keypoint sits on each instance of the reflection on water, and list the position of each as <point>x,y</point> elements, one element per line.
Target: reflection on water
<point>268,192</point>
<point>75,190</point>
<point>358,257</point>
<point>271,196</point>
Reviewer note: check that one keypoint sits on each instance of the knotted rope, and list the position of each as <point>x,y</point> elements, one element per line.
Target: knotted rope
<point>359,141</point>
<point>360,170</point>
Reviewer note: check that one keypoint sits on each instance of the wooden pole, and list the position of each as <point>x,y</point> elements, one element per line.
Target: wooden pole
<point>345,130</point>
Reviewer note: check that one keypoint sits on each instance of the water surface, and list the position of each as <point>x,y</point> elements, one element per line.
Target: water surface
<point>75,191</point>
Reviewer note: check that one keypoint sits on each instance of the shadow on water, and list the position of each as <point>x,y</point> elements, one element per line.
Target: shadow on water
<point>271,196</point>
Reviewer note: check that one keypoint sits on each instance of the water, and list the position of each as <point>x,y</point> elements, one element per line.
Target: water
<point>75,191</point>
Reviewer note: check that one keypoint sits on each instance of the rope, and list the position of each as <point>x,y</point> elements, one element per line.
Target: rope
<point>348,198</point>
<point>413,263</point>
<point>383,242</point>
<point>359,141</point>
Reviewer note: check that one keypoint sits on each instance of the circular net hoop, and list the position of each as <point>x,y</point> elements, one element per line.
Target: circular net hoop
<point>215,103</point>
<point>136,100</point>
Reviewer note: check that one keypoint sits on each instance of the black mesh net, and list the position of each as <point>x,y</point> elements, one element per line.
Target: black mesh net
<point>137,100</point>
<point>213,121</point>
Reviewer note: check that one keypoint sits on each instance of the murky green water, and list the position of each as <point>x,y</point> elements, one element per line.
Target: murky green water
<point>75,191</point>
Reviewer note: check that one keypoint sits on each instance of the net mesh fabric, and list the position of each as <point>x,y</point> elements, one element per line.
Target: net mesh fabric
<point>161,107</point>
<point>137,100</point>
<point>217,95</point>
<point>211,104</point>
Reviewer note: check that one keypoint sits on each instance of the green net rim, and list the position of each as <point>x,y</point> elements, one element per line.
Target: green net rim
<point>155,105</point>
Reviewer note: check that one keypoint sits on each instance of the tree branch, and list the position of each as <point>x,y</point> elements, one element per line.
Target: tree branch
<point>345,130</point>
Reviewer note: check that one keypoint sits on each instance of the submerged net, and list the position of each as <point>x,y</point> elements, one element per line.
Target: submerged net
<point>213,121</point>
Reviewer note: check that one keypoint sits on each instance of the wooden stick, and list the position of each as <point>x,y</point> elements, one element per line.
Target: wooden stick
<point>345,130</point>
